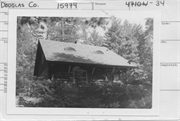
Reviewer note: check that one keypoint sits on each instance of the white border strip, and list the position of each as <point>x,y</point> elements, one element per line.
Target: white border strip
<point>11,86</point>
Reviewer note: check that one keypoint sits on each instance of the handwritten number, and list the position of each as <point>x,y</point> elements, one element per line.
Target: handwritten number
<point>61,5</point>
<point>67,5</point>
<point>136,3</point>
<point>75,4</point>
<point>158,3</point>
<point>70,4</point>
<point>128,4</point>
<point>162,2</point>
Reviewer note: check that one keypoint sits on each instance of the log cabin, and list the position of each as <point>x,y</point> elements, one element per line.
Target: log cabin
<point>76,63</point>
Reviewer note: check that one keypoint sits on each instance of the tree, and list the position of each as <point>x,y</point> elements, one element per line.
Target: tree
<point>145,49</point>
<point>121,38</point>
<point>94,39</point>
<point>124,38</point>
<point>30,29</point>
<point>135,44</point>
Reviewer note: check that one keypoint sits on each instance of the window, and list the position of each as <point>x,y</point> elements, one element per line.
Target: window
<point>70,49</point>
<point>98,52</point>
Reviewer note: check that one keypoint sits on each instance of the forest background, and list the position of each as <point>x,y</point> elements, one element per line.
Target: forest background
<point>129,40</point>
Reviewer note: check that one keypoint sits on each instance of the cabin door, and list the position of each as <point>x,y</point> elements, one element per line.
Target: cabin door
<point>79,76</point>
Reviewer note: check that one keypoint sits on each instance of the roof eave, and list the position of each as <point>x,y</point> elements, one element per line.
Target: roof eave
<point>92,64</point>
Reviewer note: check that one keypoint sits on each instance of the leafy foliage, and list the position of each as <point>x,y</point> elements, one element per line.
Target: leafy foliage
<point>132,90</point>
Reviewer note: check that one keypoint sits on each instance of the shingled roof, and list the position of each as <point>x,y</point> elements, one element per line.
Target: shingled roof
<point>79,53</point>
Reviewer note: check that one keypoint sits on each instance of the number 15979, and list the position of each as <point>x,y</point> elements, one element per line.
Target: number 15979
<point>67,6</point>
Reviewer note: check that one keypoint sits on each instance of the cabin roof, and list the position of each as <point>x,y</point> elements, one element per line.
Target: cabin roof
<point>80,53</point>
